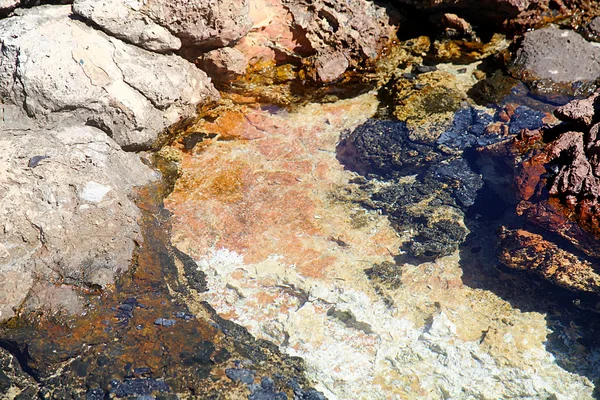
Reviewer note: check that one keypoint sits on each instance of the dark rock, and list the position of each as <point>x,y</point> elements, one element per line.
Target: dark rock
<point>266,391</point>
<point>138,387</point>
<point>165,322</point>
<point>242,375</point>
<point>195,277</point>
<point>525,118</point>
<point>384,148</point>
<point>421,69</point>
<point>386,273</point>
<point>95,394</point>
<point>35,160</point>
<point>556,62</point>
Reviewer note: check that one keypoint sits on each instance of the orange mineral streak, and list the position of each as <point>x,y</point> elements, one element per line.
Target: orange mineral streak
<point>271,195</point>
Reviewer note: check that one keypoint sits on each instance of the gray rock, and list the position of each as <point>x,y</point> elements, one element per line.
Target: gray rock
<point>162,25</point>
<point>124,21</point>
<point>556,60</point>
<point>59,71</point>
<point>67,221</point>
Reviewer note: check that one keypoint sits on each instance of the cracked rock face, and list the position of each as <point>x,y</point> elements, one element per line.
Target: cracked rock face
<point>78,75</point>
<point>66,218</point>
<point>342,34</point>
<point>163,25</point>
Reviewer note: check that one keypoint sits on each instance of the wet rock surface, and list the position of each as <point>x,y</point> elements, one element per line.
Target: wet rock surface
<point>557,185</point>
<point>340,250</point>
<point>314,267</point>
<point>141,339</point>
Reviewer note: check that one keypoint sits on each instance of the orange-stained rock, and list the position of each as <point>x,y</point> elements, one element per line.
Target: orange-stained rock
<point>528,251</point>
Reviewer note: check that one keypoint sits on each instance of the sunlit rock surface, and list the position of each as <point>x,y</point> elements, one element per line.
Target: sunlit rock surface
<point>68,223</point>
<point>272,218</point>
<point>58,71</point>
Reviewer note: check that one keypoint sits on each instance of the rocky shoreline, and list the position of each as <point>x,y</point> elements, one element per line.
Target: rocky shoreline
<point>273,199</point>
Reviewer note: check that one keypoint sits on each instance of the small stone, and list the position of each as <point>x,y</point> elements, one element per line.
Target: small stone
<point>165,322</point>
<point>242,375</point>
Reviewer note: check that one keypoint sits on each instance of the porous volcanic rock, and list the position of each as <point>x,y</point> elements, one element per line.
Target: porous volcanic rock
<point>343,34</point>
<point>162,25</point>
<point>67,220</point>
<point>79,75</point>
<point>556,61</point>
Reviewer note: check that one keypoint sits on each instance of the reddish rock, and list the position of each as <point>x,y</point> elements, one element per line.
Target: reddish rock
<point>558,187</point>
<point>528,251</point>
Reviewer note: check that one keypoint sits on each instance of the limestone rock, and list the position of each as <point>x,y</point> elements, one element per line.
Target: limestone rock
<point>78,75</point>
<point>555,61</point>
<point>162,25</point>
<point>123,20</point>
<point>66,217</point>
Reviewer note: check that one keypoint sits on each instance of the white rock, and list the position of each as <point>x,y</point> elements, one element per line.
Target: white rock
<point>94,192</point>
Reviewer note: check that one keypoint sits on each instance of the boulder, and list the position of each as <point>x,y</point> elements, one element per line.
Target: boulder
<point>555,61</point>
<point>65,216</point>
<point>59,71</point>
<point>161,25</point>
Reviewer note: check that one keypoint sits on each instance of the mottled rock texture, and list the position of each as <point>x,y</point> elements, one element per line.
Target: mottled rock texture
<point>67,220</point>
<point>558,184</point>
<point>79,75</point>
<point>342,34</point>
<point>512,14</point>
<point>161,25</point>
<point>554,61</point>
<point>279,227</point>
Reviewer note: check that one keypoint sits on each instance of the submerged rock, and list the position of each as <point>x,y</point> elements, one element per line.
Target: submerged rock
<point>289,251</point>
<point>558,184</point>
<point>79,75</point>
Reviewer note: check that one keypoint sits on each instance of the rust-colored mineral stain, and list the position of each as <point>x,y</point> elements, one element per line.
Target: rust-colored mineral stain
<point>267,196</point>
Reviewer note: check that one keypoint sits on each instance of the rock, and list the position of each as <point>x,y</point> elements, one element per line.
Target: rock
<point>556,62</point>
<point>343,35</point>
<point>14,383</point>
<point>161,25</point>
<point>124,21</point>
<point>581,112</point>
<point>506,14</point>
<point>67,222</point>
<point>7,6</point>
<point>521,249</point>
<point>291,253</point>
<point>129,93</point>
<point>557,177</point>
<point>224,64</point>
